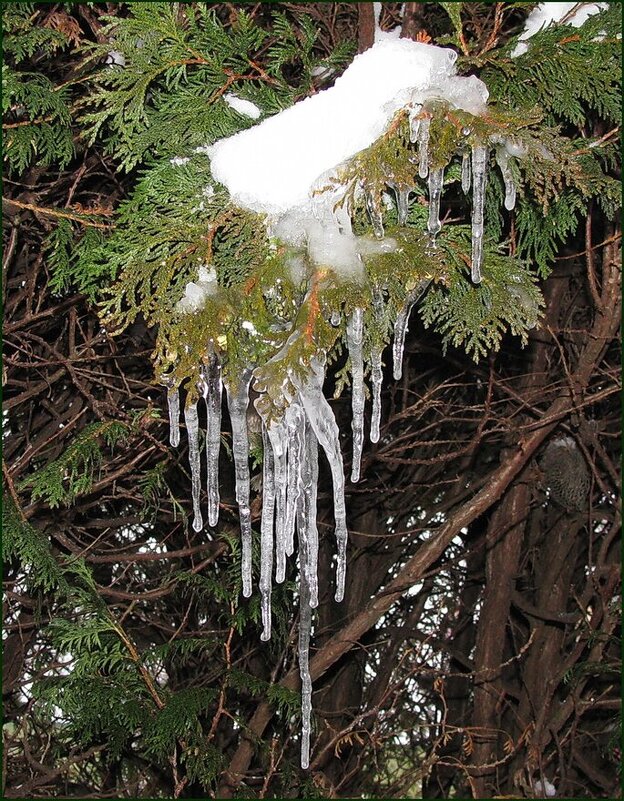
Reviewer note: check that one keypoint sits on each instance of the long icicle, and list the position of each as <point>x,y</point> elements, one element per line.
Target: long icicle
<point>479,163</point>
<point>212,395</point>
<point>278,436</point>
<point>377,381</point>
<point>323,422</point>
<point>305,628</point>
<point>355,331</point>
<point>309,493</point>
<point>266,535</point>
<point>238,401</point>
<point>192,431</point>
<point>295,426</point>
<point>400,327</point>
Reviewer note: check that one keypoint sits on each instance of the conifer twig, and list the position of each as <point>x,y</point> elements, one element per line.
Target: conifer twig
<point>58,213</point>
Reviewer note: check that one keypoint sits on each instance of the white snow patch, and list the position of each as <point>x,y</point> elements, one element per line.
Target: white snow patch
<point>179,161</point>
<point>275,165</point>
<point>115,58</point>
<point>244,107</point>
<point>380,35</point>
<point>545,789</point>
<point>283,166</point>
<point>195,293</point>
<point>547,13</point>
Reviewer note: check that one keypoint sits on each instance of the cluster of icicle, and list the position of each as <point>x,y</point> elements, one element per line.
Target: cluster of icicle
<point>290,467</point>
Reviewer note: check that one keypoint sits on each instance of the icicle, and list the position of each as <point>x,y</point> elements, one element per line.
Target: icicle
<point>377,380</point>
<point>465,173</point>
<point>307,505</point>
<point>192,432</point>
<point>266,535</point>
<point>355,330</point>
<point>295,425</point>
<point>436,181</point>
<point>423,147</point>
<point>323,422</point>
<point>479,159</point>
<point>238,401</point>
<point>212,396</point>
<point>400,328</point>
<point>502,159</point>
<point>173,402</point>
<point>402,196</point>
<point>305,628</point>
<point>278,436</point>
<point>374,212</point>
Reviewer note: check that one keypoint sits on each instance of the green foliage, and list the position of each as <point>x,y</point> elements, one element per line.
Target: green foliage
<point>37,115</point>
<point>31,548</point>
<point>180,62</point>
<point>72,474</point>
<point>476,319</point>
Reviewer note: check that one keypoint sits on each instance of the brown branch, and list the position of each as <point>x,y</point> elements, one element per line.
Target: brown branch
<point>67,215</point>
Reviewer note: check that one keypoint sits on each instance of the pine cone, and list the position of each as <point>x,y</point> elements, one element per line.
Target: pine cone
<point>566,474</point>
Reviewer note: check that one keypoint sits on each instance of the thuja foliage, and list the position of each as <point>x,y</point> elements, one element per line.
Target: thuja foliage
<point>153,106</point>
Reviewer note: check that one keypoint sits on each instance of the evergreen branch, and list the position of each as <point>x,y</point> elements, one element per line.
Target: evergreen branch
<point>61,214</point>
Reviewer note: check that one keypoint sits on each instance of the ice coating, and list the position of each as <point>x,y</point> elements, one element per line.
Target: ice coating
<point>436,181</point>
<point>212,394</point>
<point>238,400</point>
<point>502,159</point>
<point>377,381</point>
<point>323,422</point>
<point>192,432</point>
<point>244,107</point>
<point>266,535</point>
<point>355,331</point>
<point>173,404</point>
<point>479,166</point>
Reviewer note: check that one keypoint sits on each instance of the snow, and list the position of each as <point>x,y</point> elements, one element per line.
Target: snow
<point>244,107</point>
<point>547,13</point>
<point>274,167</point>
<point>195,293</point>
